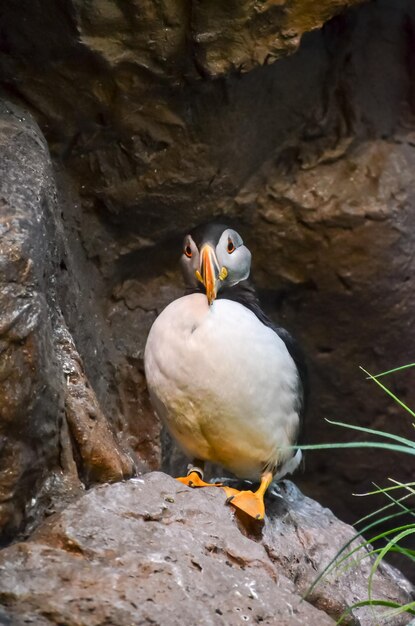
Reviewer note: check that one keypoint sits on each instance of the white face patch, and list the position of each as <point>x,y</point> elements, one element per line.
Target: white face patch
<point>234,256</point>
<point>190,261</point>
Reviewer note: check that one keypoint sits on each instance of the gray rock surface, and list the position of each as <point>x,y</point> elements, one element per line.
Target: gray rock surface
<point>151,550</point>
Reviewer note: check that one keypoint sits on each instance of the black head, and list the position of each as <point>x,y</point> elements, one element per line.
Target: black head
<point>214,256</point>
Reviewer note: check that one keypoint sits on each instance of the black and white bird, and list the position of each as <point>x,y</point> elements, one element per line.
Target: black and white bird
<point>228,384</point>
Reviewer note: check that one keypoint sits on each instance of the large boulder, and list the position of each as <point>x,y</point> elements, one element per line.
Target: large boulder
<point>151,550</point>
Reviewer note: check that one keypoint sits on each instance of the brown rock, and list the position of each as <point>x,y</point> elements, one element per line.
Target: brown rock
<point>100,457</point>
<point>36,453</point>
<point>151,550</point>
<point>238,36</point>
<point>31,388</point>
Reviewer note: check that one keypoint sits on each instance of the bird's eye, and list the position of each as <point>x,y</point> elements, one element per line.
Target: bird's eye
<point>231,247</point>
<point>188,252</point>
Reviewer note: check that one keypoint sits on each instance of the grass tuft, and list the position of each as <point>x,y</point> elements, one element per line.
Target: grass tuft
<point>402,504</point>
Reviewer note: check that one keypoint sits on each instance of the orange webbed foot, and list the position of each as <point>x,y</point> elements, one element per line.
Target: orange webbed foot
<point>249,502</point>
<point>194,480</point>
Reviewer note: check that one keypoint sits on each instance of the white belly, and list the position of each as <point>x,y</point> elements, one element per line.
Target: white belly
<point>224,383</point>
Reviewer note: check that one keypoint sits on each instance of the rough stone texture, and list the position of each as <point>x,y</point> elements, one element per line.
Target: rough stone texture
<point>31,391</point>
<point>100,459</point>
<point>160,116</point>
<point>35,399</point>
<point>151,550</point>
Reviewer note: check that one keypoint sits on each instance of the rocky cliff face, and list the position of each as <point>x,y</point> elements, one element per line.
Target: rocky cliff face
<point>159,116</point>
<point>53,432</point>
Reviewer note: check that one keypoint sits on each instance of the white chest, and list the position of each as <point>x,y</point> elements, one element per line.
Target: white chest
<point>224,383</point>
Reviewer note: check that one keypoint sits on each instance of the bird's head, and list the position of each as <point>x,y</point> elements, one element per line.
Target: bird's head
<point>214,256</point>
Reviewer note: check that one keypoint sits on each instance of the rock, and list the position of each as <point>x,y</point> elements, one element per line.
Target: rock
<point>5,620</point>
<point>36,401</point>
<point>101,459</point>
<point>31,396</point>
<point>151,550</point>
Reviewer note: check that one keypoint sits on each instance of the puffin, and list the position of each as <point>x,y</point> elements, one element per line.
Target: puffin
<point>229,384</point>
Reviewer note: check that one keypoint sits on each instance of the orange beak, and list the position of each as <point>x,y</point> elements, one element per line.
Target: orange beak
<point>209,271</point>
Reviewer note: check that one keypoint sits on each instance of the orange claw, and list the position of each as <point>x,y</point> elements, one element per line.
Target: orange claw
<point>251,503</point>
<point>230,492</point>
<point>194,480</point>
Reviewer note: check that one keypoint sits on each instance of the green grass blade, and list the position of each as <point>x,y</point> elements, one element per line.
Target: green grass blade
<point>407,527</point>
<point>395,369</point>
<point>384,489</point>
<point>404,608</point>
<point>410,554</point>
<point>398,502</point>
<point>357,444</point>
<point>408,486</point>
<point>333,563</point>
<point>385,508</point>
<point>389,392</point>
<point>393,536</point>
<point>357,560</point>
<point>358,605</point>
<point>379,433</point>
<point>384,551</point>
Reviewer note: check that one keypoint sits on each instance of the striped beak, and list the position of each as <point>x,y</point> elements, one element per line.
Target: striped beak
<point>209,271</point>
